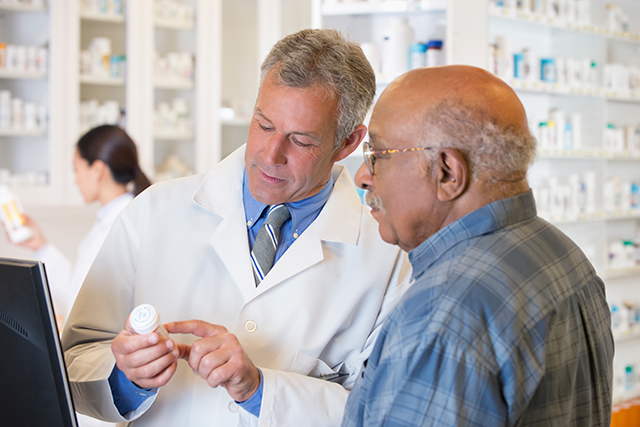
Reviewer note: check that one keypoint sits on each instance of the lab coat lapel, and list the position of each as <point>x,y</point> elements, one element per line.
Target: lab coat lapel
<point>339,221</point>
<point>221,194</point>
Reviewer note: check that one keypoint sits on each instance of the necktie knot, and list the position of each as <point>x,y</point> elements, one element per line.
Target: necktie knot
<point>277,215</point>
<point>263,254</point>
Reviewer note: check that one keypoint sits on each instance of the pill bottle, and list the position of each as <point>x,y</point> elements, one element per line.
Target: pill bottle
<point>435,53</point>
<point>145,319</point>
<point>3,55</point>
<point>396,48</point>
<point>418,55</point>
<point>11,213</point>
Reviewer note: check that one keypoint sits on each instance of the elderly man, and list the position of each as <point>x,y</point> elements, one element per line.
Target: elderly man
<point>271,251</point>
<point>506,323</point>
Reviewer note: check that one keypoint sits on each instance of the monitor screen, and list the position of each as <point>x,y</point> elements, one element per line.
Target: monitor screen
<point>35,390</point>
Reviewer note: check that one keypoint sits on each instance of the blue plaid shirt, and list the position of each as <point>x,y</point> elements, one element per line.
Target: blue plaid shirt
<point>506,324</point>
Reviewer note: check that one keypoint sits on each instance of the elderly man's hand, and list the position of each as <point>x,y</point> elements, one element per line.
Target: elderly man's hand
<point>146,360</point>
<point>218,358</point>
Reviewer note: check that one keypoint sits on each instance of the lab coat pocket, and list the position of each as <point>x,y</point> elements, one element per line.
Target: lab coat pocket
<point>314,367</point>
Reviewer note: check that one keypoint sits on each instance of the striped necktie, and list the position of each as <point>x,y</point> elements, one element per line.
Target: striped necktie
<point>264,249</point>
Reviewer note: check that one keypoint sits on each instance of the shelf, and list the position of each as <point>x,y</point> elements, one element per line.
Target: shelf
<point>173,84</point>
<point>553,88</point>
<point>390,6</point>
<point>21,7</point>
<point>545,21</point>
<point>6,74</point>
<point>102,17</point>
<point>588,154</point>
<point>627,395</point>
<point>632,96</point>
<point>236,122</point>
<point>103,81</point>
<point>593,217</point>
<point>22,132</point>
<point>172,136</point>
<point>628,335</point>
<point>580,219</point>
<point>582,154</point>
<point>173,24</point>
<point>623,215</point>
<point>621,272</point>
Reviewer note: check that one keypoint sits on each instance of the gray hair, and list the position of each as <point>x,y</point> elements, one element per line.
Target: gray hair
<point>324,57</point>
<point>502,153</point>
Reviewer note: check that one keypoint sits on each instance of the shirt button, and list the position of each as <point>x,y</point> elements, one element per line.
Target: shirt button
<point>249,223</point>
<point>233,407</point>
<point>250,326</point>
<point>295,235</point>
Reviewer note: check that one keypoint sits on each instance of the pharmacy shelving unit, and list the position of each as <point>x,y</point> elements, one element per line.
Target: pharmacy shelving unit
<point>200,37</point>
<point>175,35</point>
<point>83,27</point>
<point>33,157</point>
<point>364,22</point>
<point>598,107</point>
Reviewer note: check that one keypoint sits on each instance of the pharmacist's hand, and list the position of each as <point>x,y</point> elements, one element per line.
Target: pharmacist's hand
<point>38,240</point>
<point>146,360</point>
<point>218,358</point>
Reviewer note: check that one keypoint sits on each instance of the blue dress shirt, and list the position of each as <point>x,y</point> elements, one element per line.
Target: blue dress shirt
<point>126,395</point>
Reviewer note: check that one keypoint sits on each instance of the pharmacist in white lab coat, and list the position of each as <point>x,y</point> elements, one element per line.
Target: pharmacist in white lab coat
<point>105,162</point>
<point>281,349</point>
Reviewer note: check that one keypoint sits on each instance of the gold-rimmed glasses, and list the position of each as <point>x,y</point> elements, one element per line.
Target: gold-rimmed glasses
<point>370,155</point>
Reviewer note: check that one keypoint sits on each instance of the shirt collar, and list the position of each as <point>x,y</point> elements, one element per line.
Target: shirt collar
<point>302,211</point>
<point>489,218</point>
<point>113,207</point>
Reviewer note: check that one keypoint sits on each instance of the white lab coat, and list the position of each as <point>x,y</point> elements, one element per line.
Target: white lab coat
<point>182,246</point>
<point>65,280</point>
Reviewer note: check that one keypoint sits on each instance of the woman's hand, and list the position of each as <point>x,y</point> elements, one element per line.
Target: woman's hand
<point>38,240</point>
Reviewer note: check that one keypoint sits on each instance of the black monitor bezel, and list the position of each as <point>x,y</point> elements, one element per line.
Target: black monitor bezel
<point>46,315</point>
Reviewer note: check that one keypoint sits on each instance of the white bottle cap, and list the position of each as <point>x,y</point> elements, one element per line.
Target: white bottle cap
<point>144,319</point>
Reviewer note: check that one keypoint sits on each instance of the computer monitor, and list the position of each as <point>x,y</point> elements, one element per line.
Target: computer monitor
<point>34,390</point>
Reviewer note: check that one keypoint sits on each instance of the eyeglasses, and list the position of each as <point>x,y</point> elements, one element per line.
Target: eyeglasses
<point>370,155</point>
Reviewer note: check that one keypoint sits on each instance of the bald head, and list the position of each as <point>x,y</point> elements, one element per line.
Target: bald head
<point>476,88</point>
<point>468,109</point>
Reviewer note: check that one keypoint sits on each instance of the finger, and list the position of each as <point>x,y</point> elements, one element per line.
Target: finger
<point>160,379</point>
<point>146,355</point>
<point>201,348</point>
<point>156,373</point>
<point>195,327</point>
<point>127,342</point>
<point>214,367</point>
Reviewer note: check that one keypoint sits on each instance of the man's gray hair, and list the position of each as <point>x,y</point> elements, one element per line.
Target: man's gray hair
<point>324,57</point>
<point>500,153</point>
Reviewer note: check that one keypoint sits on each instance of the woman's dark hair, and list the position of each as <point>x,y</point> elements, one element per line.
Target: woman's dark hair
<point>111,145</point>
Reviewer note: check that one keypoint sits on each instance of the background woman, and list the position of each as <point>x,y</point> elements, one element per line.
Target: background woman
<point>105,163</point>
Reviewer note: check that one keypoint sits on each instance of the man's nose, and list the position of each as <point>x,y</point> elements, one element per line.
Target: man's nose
<point>363,177</point>
<point>274,153</point>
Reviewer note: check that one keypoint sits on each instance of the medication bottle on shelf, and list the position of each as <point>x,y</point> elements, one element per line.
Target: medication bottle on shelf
<point>418,55</point>
<point>435,54</point>
<point>396,45</point>
<point>145,319</point>
<point>11,212</point>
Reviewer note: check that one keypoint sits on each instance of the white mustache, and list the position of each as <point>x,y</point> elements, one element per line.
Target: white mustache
<point>373,201</point>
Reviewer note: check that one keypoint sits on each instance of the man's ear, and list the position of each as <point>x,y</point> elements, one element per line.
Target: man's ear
<point>351,143</point>
<point>452,174</point>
